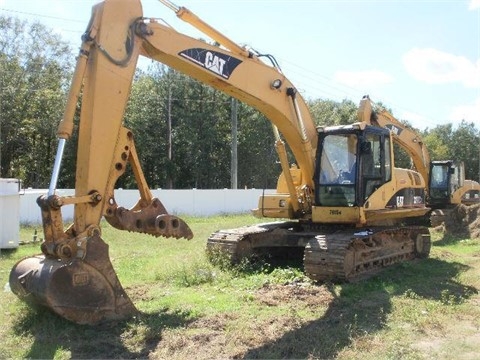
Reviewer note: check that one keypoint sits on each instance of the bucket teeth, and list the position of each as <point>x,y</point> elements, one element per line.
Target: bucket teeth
<point>152,219</point>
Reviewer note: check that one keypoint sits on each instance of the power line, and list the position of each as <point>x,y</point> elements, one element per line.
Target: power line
<point>314,81</point>
<point>347,91</point>
<point>41,16</point>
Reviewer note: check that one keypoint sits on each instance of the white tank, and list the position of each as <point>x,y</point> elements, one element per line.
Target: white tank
<point>9,213</point>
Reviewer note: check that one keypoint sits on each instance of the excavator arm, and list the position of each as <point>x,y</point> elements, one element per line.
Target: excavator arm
<point>74,276</point>
<point>408,139</point>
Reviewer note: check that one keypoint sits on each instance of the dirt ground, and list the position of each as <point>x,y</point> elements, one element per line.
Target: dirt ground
<point>232,336</point>
<point>227,336</point>
<point>464,221</point>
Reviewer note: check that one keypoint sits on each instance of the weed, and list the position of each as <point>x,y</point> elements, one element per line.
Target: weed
<point>410,294</point>
<point>196,275</point>
<point>189,274</point>
<point>448,298</point>
<point>247,265</point>
<point>285,276</point>
<point>219,258</point>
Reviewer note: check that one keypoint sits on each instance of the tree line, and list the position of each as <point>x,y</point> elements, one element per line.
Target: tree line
<point>182,127</point>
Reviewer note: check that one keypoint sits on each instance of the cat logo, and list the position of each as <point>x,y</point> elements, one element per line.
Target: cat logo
<point>400,201</point>
<point>214,63</point>
<point>221,64</point>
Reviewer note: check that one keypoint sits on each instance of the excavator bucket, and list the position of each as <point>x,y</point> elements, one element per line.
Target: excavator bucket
<point>85,291</point>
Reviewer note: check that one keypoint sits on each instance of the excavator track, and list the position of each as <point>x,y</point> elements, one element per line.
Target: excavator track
<point>237,244</point>
<point>344,255</point>
<point>347,256</point>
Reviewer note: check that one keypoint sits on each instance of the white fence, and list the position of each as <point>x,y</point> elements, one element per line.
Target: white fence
<point>9,213</point>
<point>184,202</point>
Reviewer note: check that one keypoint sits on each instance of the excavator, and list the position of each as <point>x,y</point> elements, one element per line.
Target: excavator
<point>449,188</point>
<point>341,203</point>
<point>353,222</point>
<point>446,183</point>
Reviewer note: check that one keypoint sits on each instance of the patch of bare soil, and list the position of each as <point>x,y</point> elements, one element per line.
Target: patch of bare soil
<point>204,338</point>
<point>464,221</point>
<point>310,296</point>
<point>139,293</point>
<point>232,335</point>
<point>460,338</point>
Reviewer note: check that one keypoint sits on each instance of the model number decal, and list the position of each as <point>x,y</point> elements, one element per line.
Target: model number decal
<point>335,212</point>
<point>217,62</point>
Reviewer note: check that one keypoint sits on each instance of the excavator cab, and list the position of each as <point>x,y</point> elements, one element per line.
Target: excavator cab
<point>352,163</point>
<point>446,177</point>
<point>356,181</point>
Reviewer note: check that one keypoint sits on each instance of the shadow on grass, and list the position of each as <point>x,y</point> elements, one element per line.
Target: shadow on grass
<point>362,309</point>
<point>130,339</point>
<point>451,239</point>
<point>7,254</point>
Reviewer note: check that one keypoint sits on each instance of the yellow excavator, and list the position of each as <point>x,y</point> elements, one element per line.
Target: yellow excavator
<point>449,188</point>
<point>341,204</point>
<point>446,183</point>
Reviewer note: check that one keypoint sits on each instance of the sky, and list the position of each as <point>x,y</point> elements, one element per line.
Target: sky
<point>420,58</point>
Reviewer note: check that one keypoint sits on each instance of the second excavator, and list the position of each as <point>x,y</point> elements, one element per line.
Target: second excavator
<point>445,179</point>
<point>341,204</point>
<point>449,188</point>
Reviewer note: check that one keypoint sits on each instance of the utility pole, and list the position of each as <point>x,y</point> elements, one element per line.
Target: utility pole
<point>1,144</point>
<point>3,88</point>
<point>169,138</point>
<point>234,161</point>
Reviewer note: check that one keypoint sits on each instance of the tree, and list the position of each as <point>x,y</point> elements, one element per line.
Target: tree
<point>258,165</point>
<point>464,145</point>
<point>146,116</point>
<point>330,112</point>
<point>191,153</point>
<point>202,136</point>
<point>34,68</point>
<point>438,141</point>
<point>445,142</point>
<point>437,148</point>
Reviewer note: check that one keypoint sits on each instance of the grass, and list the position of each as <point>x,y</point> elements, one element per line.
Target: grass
<point>189,308</point>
